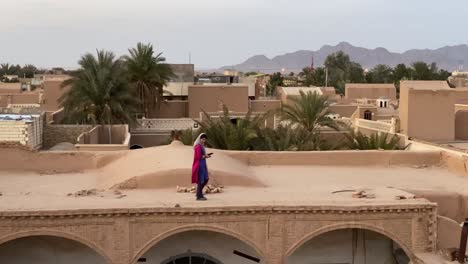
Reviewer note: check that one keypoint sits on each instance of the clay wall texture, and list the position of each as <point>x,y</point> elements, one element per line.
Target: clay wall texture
<point>211,97</point>
<point>54,134</point>
<point>370,91</point>
<point>52,92</point>
<point>461,125</point>
<point>427,114</point>
<point>343,110</point>
<point>171,109</point>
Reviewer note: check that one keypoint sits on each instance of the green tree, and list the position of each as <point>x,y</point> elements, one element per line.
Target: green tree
<point>380,74</point>
<point>443,75</point>
<point>282,138</point>
<point>357,140</point>
<point>401,72</point>
<point>28,71</point>
<point>233,134</point>
<point>309,111</point>
<point>313,78</point>
<point>8,69</point>
<point>355,73</point>
<point>148,74</point>
<point>99,92</point>
<point>276,79</point>
<point>422,71</point>
<point>247,74</point>
<point>342,70</point>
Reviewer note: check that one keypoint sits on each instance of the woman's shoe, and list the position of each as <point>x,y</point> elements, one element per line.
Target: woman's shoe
<point>202,199</point>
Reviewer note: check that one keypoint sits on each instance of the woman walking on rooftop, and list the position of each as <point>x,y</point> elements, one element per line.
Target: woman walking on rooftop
<point>199,167</point>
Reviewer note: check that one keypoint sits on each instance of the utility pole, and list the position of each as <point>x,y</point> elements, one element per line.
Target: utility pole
<point>326,76</point>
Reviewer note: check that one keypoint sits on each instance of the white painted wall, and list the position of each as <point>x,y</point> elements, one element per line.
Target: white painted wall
<point>47,250</point>
<point>216,245</point>
<point>336,247</point>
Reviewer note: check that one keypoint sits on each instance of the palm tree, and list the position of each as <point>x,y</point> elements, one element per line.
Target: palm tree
<point>309,111</point>
<point>99,92</point>
<point>357,140</point>
<point>282,138</point>
<point>148,74</point>
<point>223,133</point>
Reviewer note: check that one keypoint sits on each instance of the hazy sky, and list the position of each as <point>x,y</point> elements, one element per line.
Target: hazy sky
<point>57,32</point>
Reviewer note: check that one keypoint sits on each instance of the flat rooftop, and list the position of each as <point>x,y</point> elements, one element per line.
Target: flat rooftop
<point>147,178</point>
<point>285,186</point>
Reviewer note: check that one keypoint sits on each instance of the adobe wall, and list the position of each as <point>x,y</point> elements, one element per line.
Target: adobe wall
<point>370,92</point>
<point>461,125</point>
<point>343,110</point>
<point>363,109</point>
<point>19,98</point>
<point>170,109</point>
<point>427,114</point>
<point>261,106</point>
<point>210,99</point>
<point>461,96</point>
<point>149,139</point>
<point>453,159</point>
<point>118,134</point>
<point>54,134</point>
<point>16,159</point>
<point>338,158</point>
<point>446,228</point>
<point>25,98</point>
<point>52,92</point>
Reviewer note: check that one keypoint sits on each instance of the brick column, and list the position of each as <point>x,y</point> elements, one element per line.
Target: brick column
<point>120,242</point>
<point>275,249</point>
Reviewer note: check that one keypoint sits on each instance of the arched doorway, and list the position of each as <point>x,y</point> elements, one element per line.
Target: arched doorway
<point>197,245</point>
<point>352,245</point>
<point>368,115</point>
<point>461,125</point>
<point>45,249</point>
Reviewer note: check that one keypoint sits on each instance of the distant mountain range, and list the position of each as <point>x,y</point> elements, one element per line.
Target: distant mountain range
<point>448,58</point>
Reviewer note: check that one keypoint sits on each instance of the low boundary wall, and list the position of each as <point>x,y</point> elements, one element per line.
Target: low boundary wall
<point>339,158</point>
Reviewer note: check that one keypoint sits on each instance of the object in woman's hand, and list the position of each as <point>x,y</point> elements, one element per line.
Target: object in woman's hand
<point>209,154</point>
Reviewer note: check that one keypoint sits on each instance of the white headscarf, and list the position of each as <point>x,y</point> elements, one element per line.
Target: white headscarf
<point>198,140</point>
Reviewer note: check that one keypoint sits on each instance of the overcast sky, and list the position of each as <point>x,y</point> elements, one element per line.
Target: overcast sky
<point>57,32</point>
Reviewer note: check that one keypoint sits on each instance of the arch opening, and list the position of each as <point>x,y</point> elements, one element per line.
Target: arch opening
<point>368,115</point>
<point>200,245</point>
<point>192,258</point>
<point>349,245</point>
<point>45,249</point>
